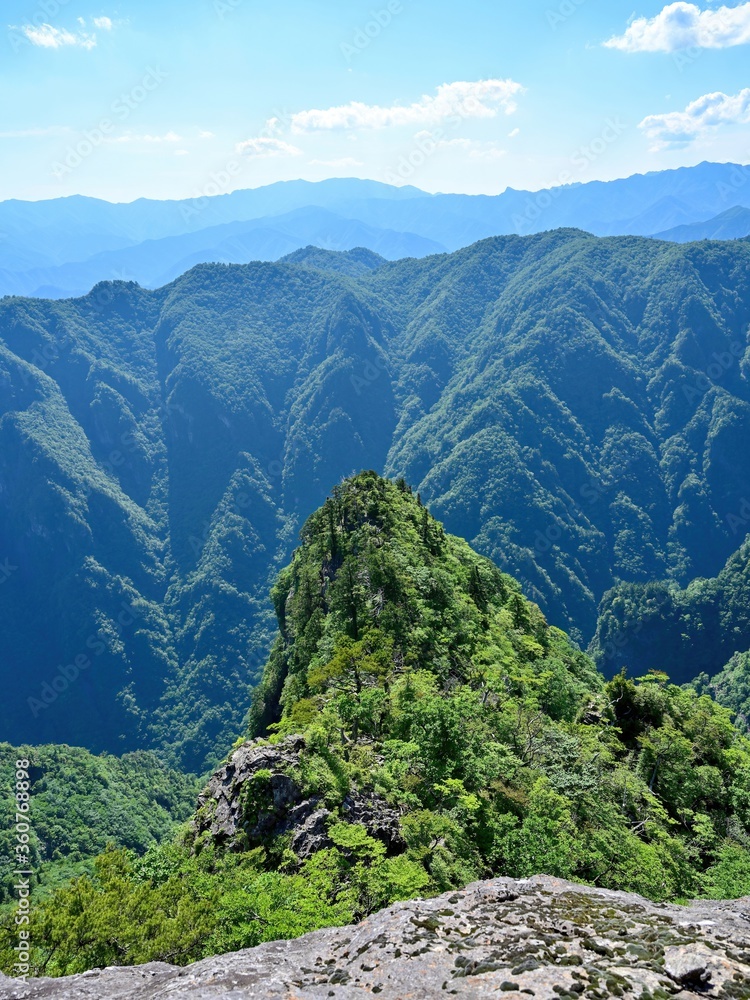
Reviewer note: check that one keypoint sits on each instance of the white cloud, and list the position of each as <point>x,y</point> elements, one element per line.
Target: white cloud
<point>205,135</point>
<point>684,25</point>
<point>266,148</point>
<point>345,163</point>
<point>46,36</point>
<point>480,99</point>
<point>514,133</point>
<point>679,128</point>
<point>182,152</point>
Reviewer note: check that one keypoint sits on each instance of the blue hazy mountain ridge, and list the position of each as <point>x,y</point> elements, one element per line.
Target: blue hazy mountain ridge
<point>57,231</point>
<point>577,408</point>
<point>734,224</point>
<point>156,262</point>
<point>40,236</point>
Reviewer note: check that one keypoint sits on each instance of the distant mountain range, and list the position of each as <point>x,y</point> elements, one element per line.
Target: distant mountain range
<point>63,247</point>
<point>734,224</point>
<point>154,263</point>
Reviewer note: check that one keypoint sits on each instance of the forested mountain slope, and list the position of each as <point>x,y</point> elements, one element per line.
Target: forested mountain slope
<point>577,408</point>
<point>80,805</point>
<point>419,725</point>
<point>694,631</point>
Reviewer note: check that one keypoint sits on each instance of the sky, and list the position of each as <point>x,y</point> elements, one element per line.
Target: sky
<point>160,99</point>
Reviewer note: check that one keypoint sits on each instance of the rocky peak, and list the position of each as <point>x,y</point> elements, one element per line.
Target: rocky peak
<point>258,796</point>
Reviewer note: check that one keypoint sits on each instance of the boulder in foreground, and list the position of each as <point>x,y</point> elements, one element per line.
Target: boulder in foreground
<point>541,937</point>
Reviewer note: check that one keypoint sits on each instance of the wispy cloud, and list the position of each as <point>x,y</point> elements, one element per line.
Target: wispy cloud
<point>47,36</point>
<point>684,25</point>
<point>679,128</point>
<point>266,147</point>
<point>479,99</point>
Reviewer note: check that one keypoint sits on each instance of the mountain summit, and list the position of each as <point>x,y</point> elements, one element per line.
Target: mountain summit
<point>419,726</point>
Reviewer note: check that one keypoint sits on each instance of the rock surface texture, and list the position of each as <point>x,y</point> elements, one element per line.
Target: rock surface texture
<point>542,937</point>
<point>255,797</point>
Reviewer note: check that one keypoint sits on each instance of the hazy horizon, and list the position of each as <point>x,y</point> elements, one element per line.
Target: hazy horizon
<point>134,100</point>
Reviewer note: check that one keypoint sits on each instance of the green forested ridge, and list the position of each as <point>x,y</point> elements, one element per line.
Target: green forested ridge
<point>352,262</point>
<point>696,630</point>
<point>418,675</point>
<point>576,408</point>
<point>81,803</point>
<point>731,687</point>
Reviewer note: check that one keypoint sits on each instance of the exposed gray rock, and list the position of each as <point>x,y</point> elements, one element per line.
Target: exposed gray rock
<point>379,819</point>
<point>242,806</point>
<point>312,835</point>
<point>540,937</point>
<point>688,966</point>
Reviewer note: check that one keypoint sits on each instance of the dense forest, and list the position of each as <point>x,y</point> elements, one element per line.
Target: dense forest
<point>576,408</point>
<point>697,629</point>
<point>81,805</point>
<point>412,675</point>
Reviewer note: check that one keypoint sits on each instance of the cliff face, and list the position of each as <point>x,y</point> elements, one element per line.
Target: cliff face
<point>541,937</point>
<point>257,796</point>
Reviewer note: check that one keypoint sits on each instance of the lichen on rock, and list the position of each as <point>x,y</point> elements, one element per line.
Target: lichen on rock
<point>538,937</point>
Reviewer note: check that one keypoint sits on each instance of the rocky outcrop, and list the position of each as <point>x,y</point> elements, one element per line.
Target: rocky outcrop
<point>256,797</point>
<point>542,937</point>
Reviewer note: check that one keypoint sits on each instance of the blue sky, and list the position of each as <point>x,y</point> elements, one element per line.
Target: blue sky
<point>155,98</point>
